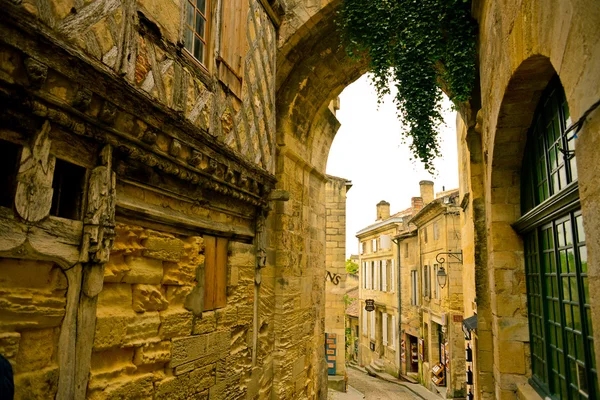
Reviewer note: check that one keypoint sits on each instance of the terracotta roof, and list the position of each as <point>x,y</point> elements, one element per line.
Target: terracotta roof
<point>352,309</point>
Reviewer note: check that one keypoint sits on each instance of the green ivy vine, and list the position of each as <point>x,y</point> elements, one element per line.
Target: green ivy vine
<point>418,46</point>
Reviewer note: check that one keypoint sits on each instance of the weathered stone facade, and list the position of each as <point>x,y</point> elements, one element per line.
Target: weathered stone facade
<point>378,281</point>
<point>155,154</point>
<point>441,303</point>
<point>521,47</point>
<point>336,278</point>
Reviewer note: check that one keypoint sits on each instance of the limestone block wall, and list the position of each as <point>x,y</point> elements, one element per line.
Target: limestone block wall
<point>32,307</point>
<point>481,365</point>
<point>335,264</point>
<point>299,311</point>
<point>520,48</point>
<point>147,344</point>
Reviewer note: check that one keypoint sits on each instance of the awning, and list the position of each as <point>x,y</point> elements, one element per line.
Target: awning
<point>469,325</point>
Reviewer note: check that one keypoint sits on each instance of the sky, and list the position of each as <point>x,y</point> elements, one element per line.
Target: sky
<point>368,150</point>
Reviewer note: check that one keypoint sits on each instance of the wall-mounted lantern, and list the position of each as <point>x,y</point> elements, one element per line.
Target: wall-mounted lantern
<point>442,277</point>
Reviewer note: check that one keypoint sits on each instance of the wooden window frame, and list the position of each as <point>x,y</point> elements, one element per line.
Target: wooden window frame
<point>207,28</point>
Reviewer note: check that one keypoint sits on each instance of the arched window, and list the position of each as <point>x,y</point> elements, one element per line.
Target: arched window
<point>560,324</point>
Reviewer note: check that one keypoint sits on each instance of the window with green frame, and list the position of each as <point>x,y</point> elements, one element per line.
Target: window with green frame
<point>560,325</point>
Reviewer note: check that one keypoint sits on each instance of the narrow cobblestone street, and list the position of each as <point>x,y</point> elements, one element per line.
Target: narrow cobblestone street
<point>373,388</point>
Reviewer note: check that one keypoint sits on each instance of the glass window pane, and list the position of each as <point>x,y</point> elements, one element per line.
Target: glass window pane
<point>569,232</point>
<point>189,18</point>
<point>198,49</point>
<point>560,234</point>
<point>574,290</point>
<point>580,231</point>
<point>201,4</point>
<point>189,40</point>
<point>562,176</point>
<point>200,25</point>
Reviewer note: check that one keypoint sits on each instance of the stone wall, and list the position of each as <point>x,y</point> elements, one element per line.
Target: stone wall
<point>33,301</point>
<point>335,264</point>
<point>521,46</point>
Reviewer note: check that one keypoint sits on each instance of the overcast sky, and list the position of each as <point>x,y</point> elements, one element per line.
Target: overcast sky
<point>368,151</point>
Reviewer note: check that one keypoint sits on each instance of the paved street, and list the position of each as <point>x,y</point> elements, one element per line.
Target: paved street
<point>373,388</point>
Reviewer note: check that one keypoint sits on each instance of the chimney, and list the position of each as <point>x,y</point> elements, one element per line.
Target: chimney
<point>426,191</point>
<point>383,210</point>
<point>416,203</point>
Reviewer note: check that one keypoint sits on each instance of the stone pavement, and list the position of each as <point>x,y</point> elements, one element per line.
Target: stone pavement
<point>417,391</point>
<point>362,386</point>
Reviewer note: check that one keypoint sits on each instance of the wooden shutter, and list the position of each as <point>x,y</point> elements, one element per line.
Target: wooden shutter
<point>384,277</point>
<point>392,276</point>
<point>384,328</point>
<point>215,272</point>
<point>233,44</point>
<point>372,325</point>
<point>394,331</point>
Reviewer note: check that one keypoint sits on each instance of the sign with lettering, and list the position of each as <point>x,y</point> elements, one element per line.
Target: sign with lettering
<point>369,305</point>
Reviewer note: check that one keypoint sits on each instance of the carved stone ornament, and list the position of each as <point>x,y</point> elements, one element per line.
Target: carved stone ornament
<point>195,159</point>
<point>36,72</point>
<point>175,148</point>
<point>82,99</point>
<point>99,220</point>
<point>108,113</point>
<point>33,198</point>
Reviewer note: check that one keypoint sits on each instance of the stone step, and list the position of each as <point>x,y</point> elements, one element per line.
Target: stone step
<point>379,363</point>
<point>376,367</point>
<point>371,371</point>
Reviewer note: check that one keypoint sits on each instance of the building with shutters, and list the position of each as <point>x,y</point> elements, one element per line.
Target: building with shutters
<point>441,351</point>
<point>379,345</point>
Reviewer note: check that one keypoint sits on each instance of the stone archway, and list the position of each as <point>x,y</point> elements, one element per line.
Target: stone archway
<point>504,321</point>
<point>312,69</point>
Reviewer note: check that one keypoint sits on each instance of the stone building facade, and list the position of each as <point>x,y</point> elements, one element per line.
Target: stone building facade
<point>336,277</point>
<point>137,157</point>
<point>146,246</point>
<point>379,280</point>
<point>441,302</point>
<point>528,184</point>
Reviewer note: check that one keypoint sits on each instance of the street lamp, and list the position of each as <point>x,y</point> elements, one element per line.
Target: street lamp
<point>442,277</point>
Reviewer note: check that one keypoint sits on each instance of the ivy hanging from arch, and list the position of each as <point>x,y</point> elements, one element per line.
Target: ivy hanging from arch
<point>418,46</point>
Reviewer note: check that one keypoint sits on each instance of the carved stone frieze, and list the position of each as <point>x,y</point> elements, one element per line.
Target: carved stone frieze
<point>201,162</point>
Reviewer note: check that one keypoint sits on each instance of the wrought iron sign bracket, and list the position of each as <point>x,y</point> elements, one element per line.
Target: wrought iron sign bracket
<point>457,255</point>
